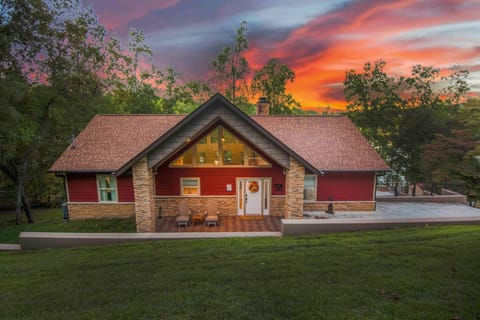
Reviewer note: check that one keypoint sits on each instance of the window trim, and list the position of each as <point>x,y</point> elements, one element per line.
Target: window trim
<point>99,190</point>
<point>190,178</point>
<point>314,187</point>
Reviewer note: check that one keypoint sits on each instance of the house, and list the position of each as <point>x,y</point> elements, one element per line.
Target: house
<point>144,165</point>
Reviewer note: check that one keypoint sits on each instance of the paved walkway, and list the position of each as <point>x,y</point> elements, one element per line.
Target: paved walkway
<point>407,210</point>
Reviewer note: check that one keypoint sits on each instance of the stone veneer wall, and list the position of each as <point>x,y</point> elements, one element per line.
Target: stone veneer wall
<point>294,195</point>
<point>340,205</point>
<point>78,211</point>
<point>277,206</point>
<point>226,205</point>
<point>169,205</point>
<point>143,183</point>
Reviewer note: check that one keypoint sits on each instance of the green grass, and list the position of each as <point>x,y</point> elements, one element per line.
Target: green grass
<point>414,273</point>
<point>51,220</point>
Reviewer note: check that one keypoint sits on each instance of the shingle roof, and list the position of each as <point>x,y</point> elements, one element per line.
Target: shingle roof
<point>110,141</point>
<point>327,143</point>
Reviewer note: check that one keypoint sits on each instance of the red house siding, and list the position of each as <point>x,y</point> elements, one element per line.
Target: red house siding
<point>83,188</point>
<point>213,181</point>
<point>125,189</point>
<point>346,186</point>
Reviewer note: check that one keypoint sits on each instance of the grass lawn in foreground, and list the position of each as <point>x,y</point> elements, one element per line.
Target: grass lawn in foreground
<point>50,220</point>
<point>413,273</point>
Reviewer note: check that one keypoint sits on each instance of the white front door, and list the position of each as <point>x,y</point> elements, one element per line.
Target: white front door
<point>253,195</point>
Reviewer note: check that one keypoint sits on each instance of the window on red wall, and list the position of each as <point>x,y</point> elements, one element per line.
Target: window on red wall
<point>190,186</point>
<point>107,188</point>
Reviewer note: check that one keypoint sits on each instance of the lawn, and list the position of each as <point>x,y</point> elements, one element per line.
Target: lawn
<point>413,273</point>
<point>51,220</point>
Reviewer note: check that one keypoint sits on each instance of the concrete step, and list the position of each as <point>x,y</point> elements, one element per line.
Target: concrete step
<point>10,247</point>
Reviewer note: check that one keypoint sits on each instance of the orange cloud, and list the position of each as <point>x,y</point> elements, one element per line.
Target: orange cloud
<point>322,51</point>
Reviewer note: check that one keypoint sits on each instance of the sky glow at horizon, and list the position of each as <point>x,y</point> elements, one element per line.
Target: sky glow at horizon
<point>319,40</point>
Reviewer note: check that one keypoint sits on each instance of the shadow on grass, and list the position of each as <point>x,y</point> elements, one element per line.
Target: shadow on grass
<point>50,220</point>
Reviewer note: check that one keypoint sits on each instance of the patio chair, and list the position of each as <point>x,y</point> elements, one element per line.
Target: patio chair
<point>212,214</point>
<point>183,214</point>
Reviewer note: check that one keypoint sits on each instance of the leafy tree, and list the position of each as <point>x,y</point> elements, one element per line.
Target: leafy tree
<point>374,105</point>
<point>400,115</point>
<point>231,67</point>
<point>48,80</point>
<point>132,75</point>
<point>270,82</point>
<point>454,156</point>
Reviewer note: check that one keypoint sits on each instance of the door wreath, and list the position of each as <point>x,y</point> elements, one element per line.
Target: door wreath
<point>253,186</point>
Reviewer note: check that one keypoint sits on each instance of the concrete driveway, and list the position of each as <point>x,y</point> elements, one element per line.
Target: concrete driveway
<point>407,210</point>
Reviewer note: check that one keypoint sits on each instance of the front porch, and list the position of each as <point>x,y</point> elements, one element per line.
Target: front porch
<point>226,224</point>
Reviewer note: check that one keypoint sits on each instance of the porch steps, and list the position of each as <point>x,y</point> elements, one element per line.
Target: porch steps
<point>41,240</point>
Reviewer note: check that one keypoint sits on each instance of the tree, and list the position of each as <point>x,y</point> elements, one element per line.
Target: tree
<point>132,75</point>
<point>231,67</point>
<point>401,115</point>
<point>270,82</point>
<point>374,105</point>
<point>48,77</point>
<point>453,157</point>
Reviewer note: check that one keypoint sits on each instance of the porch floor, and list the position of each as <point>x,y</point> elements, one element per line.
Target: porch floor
<point>226,224</point>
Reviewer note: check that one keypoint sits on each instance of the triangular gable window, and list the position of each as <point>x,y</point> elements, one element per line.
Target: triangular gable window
<point>220,148</point>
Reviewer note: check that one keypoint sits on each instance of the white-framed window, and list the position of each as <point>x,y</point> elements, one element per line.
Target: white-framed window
<point>310,187</point>
<point>107,188</point>
<point>190,186</point>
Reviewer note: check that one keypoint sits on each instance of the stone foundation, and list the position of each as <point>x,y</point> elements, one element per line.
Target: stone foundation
<point>169,206</point>
<point>226,205</point>
<point>78,211</point>
<point>340,205</point>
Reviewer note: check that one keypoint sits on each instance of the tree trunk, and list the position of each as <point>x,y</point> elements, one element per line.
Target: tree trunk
<point>27,207</point>
<point>414,191</point>
<point>18,203</point>
<point>20,189</point>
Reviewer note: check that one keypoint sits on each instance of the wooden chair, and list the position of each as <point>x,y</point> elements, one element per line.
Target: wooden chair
<point>183,214</point>
<point>212,214</point>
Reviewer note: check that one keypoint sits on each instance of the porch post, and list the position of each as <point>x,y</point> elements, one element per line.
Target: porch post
<point>294,197</point>
<point>144,201</point>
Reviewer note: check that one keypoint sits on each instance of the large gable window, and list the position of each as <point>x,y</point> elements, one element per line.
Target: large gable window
<point>220,148</point>
<point>107,188</point>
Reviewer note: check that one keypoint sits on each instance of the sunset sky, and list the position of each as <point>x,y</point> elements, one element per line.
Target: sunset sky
<point>319,40</point>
